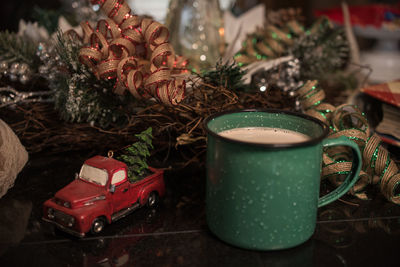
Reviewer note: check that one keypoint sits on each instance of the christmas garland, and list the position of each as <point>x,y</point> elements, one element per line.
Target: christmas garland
<point>134,52</point>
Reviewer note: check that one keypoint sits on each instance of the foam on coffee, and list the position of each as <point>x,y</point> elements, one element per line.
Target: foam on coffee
<point>265,135</point>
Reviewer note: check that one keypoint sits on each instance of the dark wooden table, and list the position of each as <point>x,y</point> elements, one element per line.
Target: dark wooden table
<point>349,232</point>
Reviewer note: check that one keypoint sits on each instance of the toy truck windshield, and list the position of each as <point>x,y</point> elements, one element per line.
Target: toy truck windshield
<point>93,175</point>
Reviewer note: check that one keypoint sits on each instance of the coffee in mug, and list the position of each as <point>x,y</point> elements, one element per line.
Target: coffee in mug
<point>265,135</point>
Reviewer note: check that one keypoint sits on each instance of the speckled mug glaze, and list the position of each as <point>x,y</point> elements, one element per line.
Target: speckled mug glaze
<point>266,196</point>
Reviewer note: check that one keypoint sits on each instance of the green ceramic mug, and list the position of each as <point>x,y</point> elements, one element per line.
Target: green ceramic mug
<point>265,196</point>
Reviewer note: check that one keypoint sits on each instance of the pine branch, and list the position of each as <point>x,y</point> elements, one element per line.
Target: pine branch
<point>324,51</point>
<point>79,95</point>
<point>14,48</point>
<point>68,51</point>
<point>225,75</point>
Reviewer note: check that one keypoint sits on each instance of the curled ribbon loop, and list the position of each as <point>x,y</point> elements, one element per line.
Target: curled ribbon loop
<point>135,52</point>
<point>347,120</point>
<point>87,31</point>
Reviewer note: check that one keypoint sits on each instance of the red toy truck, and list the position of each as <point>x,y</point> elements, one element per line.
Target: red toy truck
<point>101,194</point>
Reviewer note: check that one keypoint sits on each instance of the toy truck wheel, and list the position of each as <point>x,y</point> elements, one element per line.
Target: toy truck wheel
<point>152,201</point>
<point>97,225</point>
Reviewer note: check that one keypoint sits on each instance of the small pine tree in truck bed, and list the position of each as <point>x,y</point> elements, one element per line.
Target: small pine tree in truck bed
<point>135,155</point>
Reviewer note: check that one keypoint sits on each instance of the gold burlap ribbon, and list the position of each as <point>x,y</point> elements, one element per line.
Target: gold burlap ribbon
<point>134,52</point>
<point>346,120</point>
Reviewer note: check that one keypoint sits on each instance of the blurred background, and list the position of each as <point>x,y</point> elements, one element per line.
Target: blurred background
<point>12,11</point>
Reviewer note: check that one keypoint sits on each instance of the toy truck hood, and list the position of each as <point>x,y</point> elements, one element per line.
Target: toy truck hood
<point>78,192</point>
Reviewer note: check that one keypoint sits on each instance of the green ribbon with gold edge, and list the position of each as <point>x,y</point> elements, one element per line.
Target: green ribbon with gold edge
<point>271,42</point>
<point>347,120</point>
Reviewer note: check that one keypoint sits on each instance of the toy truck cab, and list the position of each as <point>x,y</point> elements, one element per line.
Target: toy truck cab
<point>101,194</point>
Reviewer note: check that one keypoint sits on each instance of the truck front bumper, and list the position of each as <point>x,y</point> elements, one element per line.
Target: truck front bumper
<point>65,229</point>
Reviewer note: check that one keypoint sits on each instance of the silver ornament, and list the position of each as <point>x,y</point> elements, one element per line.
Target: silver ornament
<point>23,69</point>
<point>9,97</point>
<point>13,77</point>
<point>3,66</point>
<point>51,76</point>
<point>14,68</point>
<point>24,78</point>
<point>43,69</point>
<point>285,76</point>
<point>44,56</point>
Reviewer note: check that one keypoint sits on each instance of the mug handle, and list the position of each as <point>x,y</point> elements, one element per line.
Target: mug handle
<point>351,178</point>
